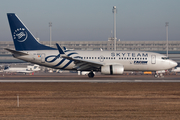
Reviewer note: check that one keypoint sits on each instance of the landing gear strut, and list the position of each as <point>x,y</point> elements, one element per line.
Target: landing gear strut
<point>91,74</point>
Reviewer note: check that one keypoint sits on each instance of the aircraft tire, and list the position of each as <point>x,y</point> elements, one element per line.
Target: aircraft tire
<point>91,75</point>
<point>156,76</point>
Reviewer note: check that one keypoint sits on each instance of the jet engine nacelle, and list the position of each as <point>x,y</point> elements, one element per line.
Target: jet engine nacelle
<point>112,69</point>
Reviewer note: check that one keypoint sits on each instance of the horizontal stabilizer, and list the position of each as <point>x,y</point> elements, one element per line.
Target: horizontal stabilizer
<point>16,52</point>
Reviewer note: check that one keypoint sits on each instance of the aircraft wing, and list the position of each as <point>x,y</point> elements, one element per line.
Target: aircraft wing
<point>81,64</point>
<point>16,52</point>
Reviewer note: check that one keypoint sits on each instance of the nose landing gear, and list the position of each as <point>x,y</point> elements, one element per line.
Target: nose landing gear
<point>159,75</point>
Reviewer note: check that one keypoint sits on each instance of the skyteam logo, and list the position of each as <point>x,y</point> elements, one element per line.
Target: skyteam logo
<point>20,35</point>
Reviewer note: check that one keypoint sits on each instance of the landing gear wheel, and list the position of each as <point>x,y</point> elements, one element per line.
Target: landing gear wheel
<point>91,75</point>
<point>159,75</point>
<point>156,75</point>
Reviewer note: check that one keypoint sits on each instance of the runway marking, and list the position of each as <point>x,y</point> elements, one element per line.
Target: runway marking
<point>90,81</point>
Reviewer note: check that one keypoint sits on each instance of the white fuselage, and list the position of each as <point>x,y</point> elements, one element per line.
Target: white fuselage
<point>131,61</point>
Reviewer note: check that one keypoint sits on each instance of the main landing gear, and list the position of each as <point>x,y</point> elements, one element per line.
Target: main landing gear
<point>159,75</point>
<point>91,74</point>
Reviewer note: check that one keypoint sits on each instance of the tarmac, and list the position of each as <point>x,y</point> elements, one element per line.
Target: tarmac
<point>73,77</point>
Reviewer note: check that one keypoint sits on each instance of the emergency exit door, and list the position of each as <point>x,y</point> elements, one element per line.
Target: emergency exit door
<point>42,58</point>
<point>153,59</point>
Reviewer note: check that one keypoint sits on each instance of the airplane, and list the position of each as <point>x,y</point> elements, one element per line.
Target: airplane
<point>176,69</point>
<point>27,48</point>
<point>28,69</point>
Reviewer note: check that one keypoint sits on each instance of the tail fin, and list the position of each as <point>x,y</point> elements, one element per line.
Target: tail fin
<point>22,37</point>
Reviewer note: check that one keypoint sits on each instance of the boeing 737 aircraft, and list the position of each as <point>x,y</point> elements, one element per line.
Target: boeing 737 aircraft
<point>106,62</point>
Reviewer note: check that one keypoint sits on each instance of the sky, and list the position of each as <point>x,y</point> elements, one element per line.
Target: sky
<point>92,20</point>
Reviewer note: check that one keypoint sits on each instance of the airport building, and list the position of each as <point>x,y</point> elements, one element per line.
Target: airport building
<point>155,46</point>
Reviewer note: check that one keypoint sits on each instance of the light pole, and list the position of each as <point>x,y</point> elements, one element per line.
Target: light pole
<point>50,26</point>
<point>167,24</point>
<point>114,11</point>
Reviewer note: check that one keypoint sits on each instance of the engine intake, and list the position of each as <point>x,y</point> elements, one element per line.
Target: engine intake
<point>112,69</point>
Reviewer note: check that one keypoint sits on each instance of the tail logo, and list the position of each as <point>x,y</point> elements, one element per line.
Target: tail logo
<point>20,35</point>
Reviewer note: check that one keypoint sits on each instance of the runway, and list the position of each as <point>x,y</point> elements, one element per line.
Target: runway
<point>85,81</point>
<point>74,78</point>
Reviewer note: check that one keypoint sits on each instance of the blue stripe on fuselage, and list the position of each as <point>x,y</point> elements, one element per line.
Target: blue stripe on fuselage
<point>64,60</point>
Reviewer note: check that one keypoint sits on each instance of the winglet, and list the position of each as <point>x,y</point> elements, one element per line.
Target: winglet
<point>59,49</point>
<point>64,48</point>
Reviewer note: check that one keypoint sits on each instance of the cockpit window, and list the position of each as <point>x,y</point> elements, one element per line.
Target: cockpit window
<point>165,58</point>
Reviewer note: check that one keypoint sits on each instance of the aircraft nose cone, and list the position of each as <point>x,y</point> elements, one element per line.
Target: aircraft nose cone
<point>173,63</point>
